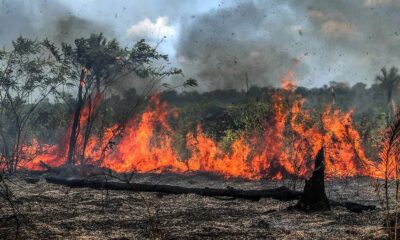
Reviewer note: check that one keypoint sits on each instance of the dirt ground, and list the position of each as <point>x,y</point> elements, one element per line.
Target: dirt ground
<point>56,212</point>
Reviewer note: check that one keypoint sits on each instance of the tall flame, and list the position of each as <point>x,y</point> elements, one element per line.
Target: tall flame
<point>286,146</point>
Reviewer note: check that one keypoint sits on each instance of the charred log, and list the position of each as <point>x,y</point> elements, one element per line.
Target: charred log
<point>281,193</point>
<point>352,206</point>
<point>32,180</point>
<point>314,197</point>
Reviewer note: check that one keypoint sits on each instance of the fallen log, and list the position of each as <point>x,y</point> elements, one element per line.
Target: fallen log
<point>281,193</point>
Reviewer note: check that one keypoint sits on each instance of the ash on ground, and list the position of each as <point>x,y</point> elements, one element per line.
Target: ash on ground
<point>56,212</point>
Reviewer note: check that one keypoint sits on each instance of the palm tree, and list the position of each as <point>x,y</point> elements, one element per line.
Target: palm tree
<point>387,81</point>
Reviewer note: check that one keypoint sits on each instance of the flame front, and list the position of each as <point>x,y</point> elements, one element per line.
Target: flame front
<point>285,147</point>
<point>147,146</point>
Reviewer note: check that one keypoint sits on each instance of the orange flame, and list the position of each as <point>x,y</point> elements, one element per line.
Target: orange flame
<point>288,81</point>
<point>286,146</point>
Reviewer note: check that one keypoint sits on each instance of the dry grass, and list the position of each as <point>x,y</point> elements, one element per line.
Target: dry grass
<point>57,212</point>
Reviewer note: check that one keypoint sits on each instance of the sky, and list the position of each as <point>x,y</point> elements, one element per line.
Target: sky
<point>219,42</point>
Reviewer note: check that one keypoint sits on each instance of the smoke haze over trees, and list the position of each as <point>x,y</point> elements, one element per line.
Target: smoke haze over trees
<point>218,42</point>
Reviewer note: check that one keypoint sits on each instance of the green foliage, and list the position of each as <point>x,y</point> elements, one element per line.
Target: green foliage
<point>249,116</point>
<point>107,61</point>
<point>222,122</point>
<point>230,137</point>
<point>27,71</point>
<point>143,53</point>
<point>24,46</point>
<point>27,77</point>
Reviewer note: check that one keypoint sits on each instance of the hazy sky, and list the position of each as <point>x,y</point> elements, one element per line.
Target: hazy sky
<point>218,42</point>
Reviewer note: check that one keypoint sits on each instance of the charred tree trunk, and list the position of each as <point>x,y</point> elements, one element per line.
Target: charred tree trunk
<point>75,124</point>
<point>314,197</point>
<point>87,130</point>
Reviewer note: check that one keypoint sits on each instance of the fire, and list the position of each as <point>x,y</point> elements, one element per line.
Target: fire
<point>208,156</point>
<point>288,81</point>
<point>285,147</point>
<point>47,154</point>
<point>143,149</point>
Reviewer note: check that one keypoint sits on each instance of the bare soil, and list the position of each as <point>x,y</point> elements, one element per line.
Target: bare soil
<point>56,212</point>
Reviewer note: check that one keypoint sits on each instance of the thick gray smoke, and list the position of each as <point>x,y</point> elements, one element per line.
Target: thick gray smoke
<point>222,46</point>
<point>355,38</point>
<point>332,40</point>
<point>321,40</point>
<point>43,19</point>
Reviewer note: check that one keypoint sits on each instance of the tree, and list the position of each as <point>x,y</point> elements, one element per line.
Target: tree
<point>96,64</point>
<point>27,77</point>
<point>387,81</point>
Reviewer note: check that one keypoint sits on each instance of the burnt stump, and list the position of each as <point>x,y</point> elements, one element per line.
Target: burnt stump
<point>314,197</point>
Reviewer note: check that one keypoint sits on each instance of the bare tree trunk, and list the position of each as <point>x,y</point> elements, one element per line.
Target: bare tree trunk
<point>89,125</point>
<point>76,121</point>
<point>5,151</point>
<point>17,149</point>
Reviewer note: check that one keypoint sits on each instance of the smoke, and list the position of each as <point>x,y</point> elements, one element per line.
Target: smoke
<point>44,19</point>
<point>337,40</point>
<point>224,45</point>
<point>355,38</point>
<point>331,40</point>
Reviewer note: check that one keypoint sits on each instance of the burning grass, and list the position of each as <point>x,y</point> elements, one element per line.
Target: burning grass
<point>283,146</point>
<point>280,148</point>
